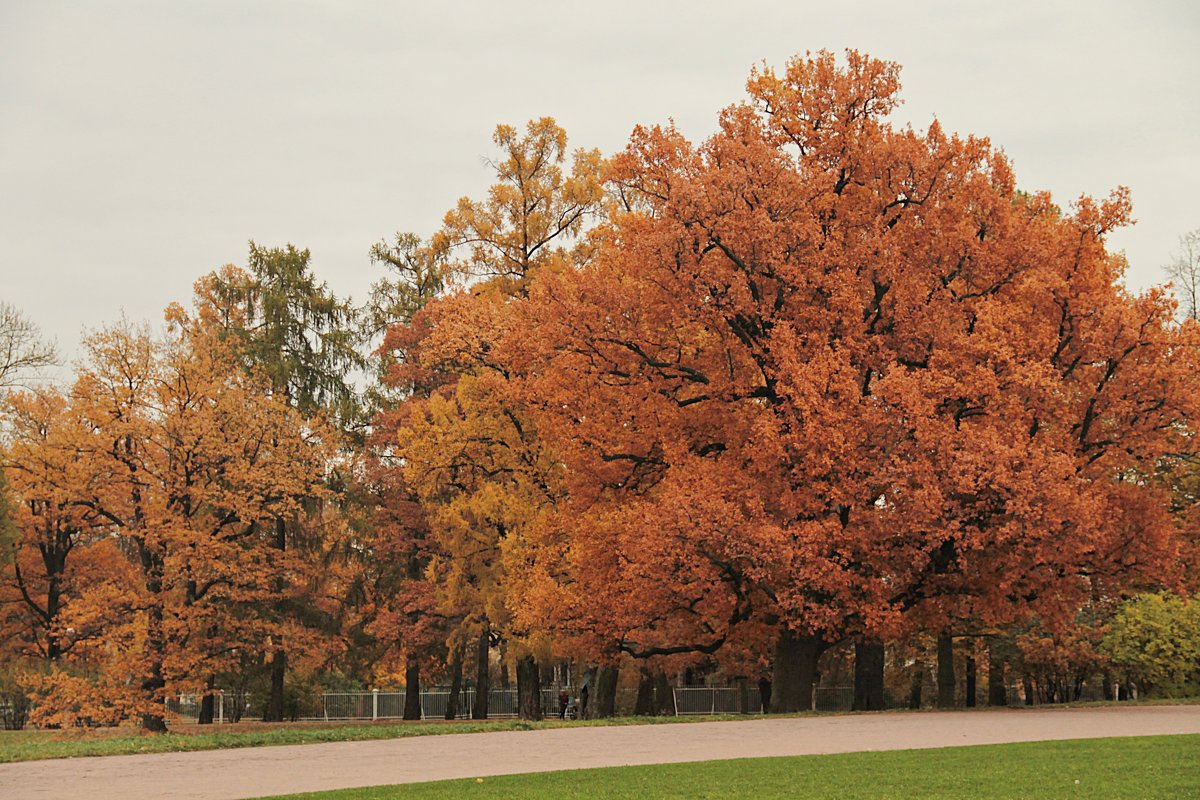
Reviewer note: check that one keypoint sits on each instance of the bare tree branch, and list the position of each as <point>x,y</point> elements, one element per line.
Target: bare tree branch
<point>22,350</point>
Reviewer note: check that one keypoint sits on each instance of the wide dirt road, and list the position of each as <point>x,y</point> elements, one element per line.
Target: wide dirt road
<point>255,772</point>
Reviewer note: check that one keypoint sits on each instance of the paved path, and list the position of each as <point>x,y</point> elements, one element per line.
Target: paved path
<point>259,771</point>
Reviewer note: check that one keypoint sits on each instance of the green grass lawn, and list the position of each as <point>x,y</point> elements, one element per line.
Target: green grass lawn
<point>1137,768</point>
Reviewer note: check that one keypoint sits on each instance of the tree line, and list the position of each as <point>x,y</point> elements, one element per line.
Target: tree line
<point>724,406</point>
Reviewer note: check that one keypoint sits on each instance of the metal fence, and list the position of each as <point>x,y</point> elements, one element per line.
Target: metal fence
<point>833,698</point>
<point>717,700</point>
<point>390,705</point>
<point>502,704</point>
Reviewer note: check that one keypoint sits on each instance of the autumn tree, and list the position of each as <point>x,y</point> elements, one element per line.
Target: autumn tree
<point>415,274</point>
<point>292,329</point>
<point>193,459</point>
<point>875,372</point>
<point>59,560</point>
<point>475,462</point>
<point>533,211</point>
<point>396,601</point>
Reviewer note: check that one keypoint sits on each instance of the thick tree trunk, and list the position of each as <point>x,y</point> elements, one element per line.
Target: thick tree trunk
<point>1108,686</point>
<point>482,679</point>
<point>153,721</point>
<point>945,671</point>
<point>605,697</point>
<point>53,601</point>
<point>152,685</point>
<point>917,685</point>
<point>208,704</point>
<point>456,659</point>
<point>644,705</point>
<point>970,681</point>
<point>664,695</point>
<point>1027,685</point>
<point>997,693</point>
<point>412,688</point>
<point>868,675</point>
<point>154,718</point>
<point>529,688</point>
<point>795,672</point>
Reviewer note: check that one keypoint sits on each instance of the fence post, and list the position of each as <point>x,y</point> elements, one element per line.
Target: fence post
<point>374,704</point>
<point>221,707</point>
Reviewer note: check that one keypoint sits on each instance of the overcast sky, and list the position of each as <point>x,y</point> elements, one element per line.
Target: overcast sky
<point>143,144</point>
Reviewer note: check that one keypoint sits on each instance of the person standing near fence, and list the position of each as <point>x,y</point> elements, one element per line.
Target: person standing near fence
<point>563,700</point>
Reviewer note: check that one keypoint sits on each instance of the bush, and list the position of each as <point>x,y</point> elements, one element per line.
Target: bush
<point>1154,639</point>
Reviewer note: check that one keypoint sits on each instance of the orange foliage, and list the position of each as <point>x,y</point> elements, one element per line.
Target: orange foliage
<point>834,375</point>
<point>167,463</point>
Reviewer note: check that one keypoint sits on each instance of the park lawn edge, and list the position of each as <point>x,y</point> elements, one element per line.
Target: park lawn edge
<point>551,782</point>
<point>16,746</point>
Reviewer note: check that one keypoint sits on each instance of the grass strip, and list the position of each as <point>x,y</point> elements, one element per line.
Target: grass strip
<point>1129,768</point>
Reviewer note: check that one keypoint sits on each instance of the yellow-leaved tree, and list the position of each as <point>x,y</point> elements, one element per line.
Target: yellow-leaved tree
<point>471,456</point>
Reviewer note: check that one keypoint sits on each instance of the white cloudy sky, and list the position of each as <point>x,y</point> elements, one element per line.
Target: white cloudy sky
<point>144,143</point>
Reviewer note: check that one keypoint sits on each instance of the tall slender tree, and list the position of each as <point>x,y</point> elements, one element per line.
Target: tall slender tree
<point>292,329</point>
<point>471,456</point>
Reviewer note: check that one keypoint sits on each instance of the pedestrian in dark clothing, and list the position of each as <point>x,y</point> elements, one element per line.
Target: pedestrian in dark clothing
<point>563,700</point>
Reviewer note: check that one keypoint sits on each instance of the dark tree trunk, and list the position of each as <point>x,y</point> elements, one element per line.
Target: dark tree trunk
<point>482,679</point>
<point>1108,685</point>
<point>53,600</point>
<point>664,695</point>
<point>456,659</point>
<point>795,672</point>
<point>605,697</point>
<point>154,721</point>
<point>587,693</point>
<point>644,705</point>
<point>1027,685</point>
<point>529,688</point>
<point>505,679</point>
<point>868,675</point>
<point>743,687</point>
<point>970,681</point>
<point>274,710</point>
<point>917,685</point>
<point>764,694</point>
<point>208,705</point>
<point>945,671</point>
<point>997,693</point>
<point>412,688</point>
<point>152,684</point>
